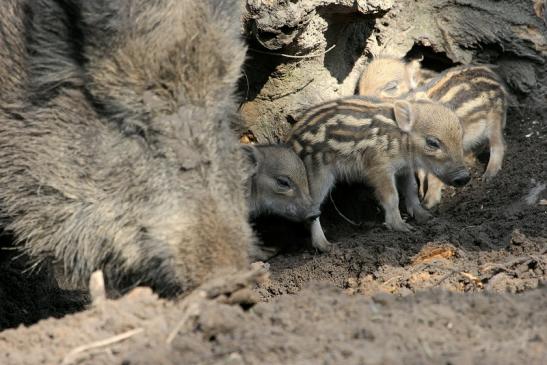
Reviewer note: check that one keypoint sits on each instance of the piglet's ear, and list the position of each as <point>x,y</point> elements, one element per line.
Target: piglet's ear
<point>413,73</point>
<point>254,156</point>
<point>404,115</point>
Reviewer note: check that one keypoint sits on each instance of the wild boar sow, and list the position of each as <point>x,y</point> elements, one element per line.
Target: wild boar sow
<point>116,151</point>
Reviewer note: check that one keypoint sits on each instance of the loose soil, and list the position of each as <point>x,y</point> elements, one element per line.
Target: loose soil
<point>466,288</point>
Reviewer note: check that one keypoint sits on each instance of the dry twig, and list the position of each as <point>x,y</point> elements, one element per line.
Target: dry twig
<point>191,311</point>
<point>78,351</point>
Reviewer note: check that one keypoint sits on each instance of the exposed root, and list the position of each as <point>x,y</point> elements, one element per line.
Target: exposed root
<point>313,55</point>
<point>279,96</point>
<point>97,287</point>
<point>340,213</point>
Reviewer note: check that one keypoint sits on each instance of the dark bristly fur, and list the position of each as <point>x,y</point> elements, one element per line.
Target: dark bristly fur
<point>116,151</point>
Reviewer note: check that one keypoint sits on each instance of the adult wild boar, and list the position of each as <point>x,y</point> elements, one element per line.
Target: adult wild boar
<point>116,151</point>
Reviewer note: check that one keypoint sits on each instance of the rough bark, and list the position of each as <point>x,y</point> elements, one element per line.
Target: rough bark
<point>292,64</point>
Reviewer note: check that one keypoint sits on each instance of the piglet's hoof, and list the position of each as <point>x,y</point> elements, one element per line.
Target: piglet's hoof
<point>318,239</point>
<point>399,226</point>
<point>262,253</point>
<point>431,200</point>
<point>321,245</point>
<point>489,176</point>
<point>421,215</point>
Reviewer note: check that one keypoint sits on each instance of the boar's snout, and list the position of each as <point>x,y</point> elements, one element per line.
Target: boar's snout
<point>460,178</point>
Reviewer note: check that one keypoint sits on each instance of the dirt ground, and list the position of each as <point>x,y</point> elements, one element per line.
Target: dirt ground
<point>466,288</point>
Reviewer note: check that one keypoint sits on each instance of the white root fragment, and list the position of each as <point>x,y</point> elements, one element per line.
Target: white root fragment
<point>97,287</point>
<point>75,354</point>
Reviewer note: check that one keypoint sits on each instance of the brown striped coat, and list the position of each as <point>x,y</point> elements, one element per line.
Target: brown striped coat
<point>361,139</point>
<point>479,99</point>
<point>475,93</point>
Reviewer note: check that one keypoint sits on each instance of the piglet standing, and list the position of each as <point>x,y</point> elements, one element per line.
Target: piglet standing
<point>475,93</point>
<point>360,139</point>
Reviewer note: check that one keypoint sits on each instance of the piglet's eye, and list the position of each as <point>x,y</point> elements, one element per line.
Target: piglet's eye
<point>433,143</point>
<point>391,87</point>
<point>283,182</point>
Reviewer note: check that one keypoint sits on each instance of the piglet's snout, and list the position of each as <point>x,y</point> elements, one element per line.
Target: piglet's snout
<point>313,216</point>
<point>461,178</point>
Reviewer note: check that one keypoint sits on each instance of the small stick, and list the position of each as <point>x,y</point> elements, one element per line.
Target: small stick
<point>73,355</point>
<point>192,310</point>
<point>294,56</point>
<point>385,283</point>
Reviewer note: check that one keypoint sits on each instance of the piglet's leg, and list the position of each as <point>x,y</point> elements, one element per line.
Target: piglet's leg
<point>434,191</point>
<point>386,192</point>
<point>497,145</point>
<point>318,238</point>
<point>259,252</point>
<point>321,180</point>
<point>422,182</point>
<point>412,201</point>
